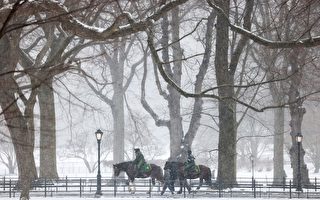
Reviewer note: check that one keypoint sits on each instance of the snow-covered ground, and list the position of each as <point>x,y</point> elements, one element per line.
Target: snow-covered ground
<point>129,198</point>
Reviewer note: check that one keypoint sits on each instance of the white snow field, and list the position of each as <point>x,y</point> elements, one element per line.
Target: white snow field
<point>142,198</point>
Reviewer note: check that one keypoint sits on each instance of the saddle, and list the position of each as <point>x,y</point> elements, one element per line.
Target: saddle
<point>146,168</point>
<point>193,170</point>
<point>143,170</point>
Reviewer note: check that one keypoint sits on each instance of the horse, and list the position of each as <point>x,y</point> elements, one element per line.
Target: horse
<point>204,173</point>
<point>155,173</point>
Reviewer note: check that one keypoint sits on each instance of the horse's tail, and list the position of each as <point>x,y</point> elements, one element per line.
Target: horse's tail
<point>208,178</point>
<point>161,175</point>
<point>209,181</point>
<point>157,173</point>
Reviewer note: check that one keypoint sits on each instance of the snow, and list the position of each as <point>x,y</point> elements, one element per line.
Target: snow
<point>96,29</point>
<point>6,7</point>
<point>130,198</point>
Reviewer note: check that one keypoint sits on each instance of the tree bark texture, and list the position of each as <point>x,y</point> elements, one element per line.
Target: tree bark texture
<point>48,160</point>
<point>278,141</point>
<point>278,123</point>
<point>227,113</point>
<point>118,124</point>
<point>117,106</point>
<point>18,123</point>
<point>174,100</point>
<point>296,57</point>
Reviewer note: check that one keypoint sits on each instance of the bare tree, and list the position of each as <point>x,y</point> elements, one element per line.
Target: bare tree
<point>310,130</point>
<point>82,146</point>
<point>180,141</point>
<point>7,156</point>
<point>13,18</point>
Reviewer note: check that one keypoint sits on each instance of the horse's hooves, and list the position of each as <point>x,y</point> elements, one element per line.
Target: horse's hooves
<point>179,192</point>
<point>148,192</point>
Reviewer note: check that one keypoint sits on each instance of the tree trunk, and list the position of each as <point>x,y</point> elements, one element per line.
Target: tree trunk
<point>117,107</point>
<point>227,107</point>
<point>227,144</point>
<point>48,161</point>
<point>11,162</point>
<point>278,141</point>
<point>22,139</point>
<point>21,132</point>
<point>296,113</point>
<point>198,102</point>
<point>296,57</point>
<point>175,128</point>
<point>316,167</point>
<point>174,101</point>
<point>118,123</point>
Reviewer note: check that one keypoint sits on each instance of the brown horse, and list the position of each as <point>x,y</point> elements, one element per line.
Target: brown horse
<point>155,173</point>
<point>177,168</point>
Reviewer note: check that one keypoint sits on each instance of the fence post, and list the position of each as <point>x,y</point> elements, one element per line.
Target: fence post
<point>10,188</point>
<point>254,188</point>
<point>66,183</point>
<point>219,187</point>
<point>114,187</point>
<point>149,188</point>
<point>315,183</point>
<point>4,183</point>
<point>45,187</point>
<point>80,187</point>
<point>284,183</point>
<point>184,188</point>
<point>290,190</point>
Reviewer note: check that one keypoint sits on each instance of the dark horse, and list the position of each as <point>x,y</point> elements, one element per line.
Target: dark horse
<point>178,168</point>
<point>131,171</point>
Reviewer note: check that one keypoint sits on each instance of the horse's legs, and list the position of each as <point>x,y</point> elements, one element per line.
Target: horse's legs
<point>171,186</point>
<point>200,183</point>
<point>164,188</point>
<point>153,182</point>
<point>132,189</point>
<point>188,186</point>
<point>181,182</point>
<point>168,184</point>
<point>209,182</point>
<point>129,186</point>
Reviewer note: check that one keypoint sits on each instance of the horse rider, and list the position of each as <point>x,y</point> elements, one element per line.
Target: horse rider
<point>139,161</point>
<point>190,164</point>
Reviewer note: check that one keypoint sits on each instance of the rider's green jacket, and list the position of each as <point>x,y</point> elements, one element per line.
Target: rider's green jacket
<point>139,160</point>
<point>190,163</point>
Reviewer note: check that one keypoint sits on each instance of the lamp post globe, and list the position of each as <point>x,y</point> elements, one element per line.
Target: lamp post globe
<point>98,134</point>
<point>299,138</point>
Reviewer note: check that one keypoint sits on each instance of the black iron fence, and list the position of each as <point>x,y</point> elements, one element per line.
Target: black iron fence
<point>86,186</point>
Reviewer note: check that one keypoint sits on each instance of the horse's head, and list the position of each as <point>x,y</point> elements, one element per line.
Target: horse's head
<point>116,170</point>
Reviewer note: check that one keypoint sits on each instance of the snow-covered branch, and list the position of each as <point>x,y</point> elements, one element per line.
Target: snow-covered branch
<point>301,42</point>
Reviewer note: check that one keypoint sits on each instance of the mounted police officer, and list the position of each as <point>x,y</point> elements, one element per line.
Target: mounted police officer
<point>139,161</point>
<point>189,165</point>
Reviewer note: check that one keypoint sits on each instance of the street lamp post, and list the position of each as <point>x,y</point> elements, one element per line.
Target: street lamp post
<point>99,134</point>
<point>299,141</point>
<point>252,166</point>
<point>252,170</point>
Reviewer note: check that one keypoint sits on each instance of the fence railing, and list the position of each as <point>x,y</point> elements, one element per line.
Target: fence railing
<point>86,186</point>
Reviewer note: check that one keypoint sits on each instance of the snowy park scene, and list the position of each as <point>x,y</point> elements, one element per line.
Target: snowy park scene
<point>159,99</point>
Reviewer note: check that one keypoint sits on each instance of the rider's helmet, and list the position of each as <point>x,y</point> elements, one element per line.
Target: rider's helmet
<point>189,152</point>
<point>136,150</point>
